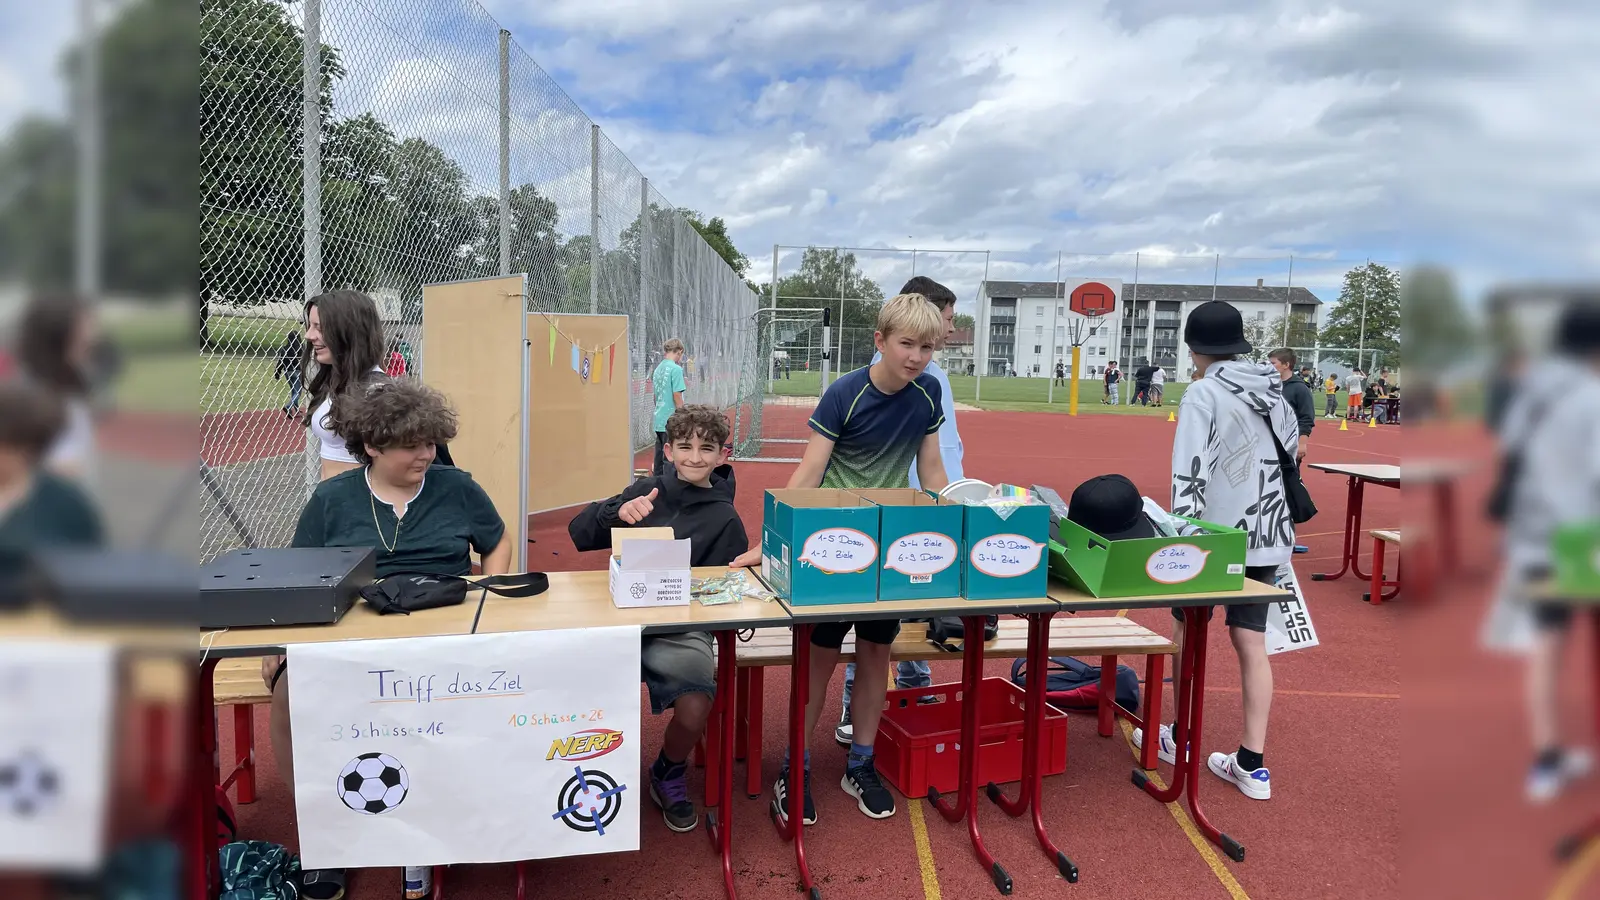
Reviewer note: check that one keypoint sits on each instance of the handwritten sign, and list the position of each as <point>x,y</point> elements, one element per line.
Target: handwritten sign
<point>923,554</point>
<point>56,737</point>
<point>466,748</point>
<point>1006,555</point>
<point>1176,563</point>
<point>838,551</point>
<point>1289,622</point>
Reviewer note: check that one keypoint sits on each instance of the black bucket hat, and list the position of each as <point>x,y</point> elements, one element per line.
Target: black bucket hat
<point>1110,506</point>
<point>1215,328</point>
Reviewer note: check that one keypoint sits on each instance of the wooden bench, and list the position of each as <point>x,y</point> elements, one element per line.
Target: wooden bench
<point>1107,637</point>
<point>1381,537</point>
<point>238,685</point>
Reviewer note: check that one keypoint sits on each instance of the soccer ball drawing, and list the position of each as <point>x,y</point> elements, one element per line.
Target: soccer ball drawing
<point>28,785</point>
<point>373,784</point>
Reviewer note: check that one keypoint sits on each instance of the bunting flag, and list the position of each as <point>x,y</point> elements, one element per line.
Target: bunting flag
<point>599,364</point>
<point>575,355</point>
<point>584,372</point>
<point>553,342</point>
<point>611,367</point>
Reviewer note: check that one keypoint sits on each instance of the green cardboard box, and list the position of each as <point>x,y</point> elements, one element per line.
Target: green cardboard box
<point>921,538</point>
<point>1161,565</point>
<point>820,546</point>
<point>1005,558</point>
<point>1575,550</point>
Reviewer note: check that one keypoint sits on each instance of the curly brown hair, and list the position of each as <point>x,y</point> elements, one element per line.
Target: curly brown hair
<point>697,421</point>
<point>30,418</point>
<point>402,413</point>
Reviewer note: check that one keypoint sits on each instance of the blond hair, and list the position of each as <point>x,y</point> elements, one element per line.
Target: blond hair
<point>673,345</point>
<point>911,314</point>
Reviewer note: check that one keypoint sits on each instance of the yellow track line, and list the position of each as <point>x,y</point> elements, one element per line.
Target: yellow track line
<point>919,832</point>
<point>1207,852</point>
<point>1574,876</point>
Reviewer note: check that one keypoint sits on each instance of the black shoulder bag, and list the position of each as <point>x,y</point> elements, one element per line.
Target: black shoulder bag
<point>1295,495</point>
<point>1498,506</point>
<point>410,593</point>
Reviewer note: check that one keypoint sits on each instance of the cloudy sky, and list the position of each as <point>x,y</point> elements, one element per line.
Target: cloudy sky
<point>1172,129</point>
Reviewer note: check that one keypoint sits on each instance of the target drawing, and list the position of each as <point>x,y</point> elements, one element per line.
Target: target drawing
<point>589,801</point>
<point>373,783</point>
<point>28,785</point>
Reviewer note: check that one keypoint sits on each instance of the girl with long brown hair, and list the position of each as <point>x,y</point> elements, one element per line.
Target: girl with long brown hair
<point>344,337</point>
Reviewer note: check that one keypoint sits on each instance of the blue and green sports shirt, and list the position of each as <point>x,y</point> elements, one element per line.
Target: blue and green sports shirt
<point>876,435</point>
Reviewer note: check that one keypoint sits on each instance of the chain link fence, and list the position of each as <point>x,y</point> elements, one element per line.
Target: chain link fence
<point>383,145</point>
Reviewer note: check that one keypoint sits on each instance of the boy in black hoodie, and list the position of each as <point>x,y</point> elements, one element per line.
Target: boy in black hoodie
<point>695,500</point>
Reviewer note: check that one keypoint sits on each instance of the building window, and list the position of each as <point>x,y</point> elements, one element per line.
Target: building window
<point>1038,331</point>
<point>1061,310</point>
<point>1058,350</point>
<point>1261,316</point>
<point>1094,330</point>
<point>1102,351</point>
<point>1037,349</point>
<point>1038,311</point>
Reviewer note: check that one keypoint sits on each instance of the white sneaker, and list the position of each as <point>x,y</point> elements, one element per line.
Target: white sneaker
<point>1166,747</point>
<point>845,733</point>
<point>1545,783</point>
<point>1256,785</point>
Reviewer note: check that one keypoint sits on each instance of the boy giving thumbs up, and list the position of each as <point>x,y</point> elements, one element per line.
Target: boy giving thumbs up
<point>695,499</point>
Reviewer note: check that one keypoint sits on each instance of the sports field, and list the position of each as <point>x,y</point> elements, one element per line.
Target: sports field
<point>1332,829</point>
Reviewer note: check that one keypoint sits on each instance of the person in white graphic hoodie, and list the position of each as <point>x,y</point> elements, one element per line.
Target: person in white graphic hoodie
<point>1225,470</point>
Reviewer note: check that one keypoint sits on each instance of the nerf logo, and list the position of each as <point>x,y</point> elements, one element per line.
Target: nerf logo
<point>585,744</point>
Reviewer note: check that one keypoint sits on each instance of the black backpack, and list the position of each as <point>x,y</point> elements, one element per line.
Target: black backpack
<point>1072,684</point>
<point>947,632</point>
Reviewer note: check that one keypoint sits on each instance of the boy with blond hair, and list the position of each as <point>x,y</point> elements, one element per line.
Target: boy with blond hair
<point>868,429</point>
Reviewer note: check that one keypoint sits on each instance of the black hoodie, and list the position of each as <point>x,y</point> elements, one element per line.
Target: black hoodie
<point>1298,394</point>
<point>703,515</point>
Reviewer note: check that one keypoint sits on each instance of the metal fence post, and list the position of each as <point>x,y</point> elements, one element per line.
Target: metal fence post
<point>311,147</point>
<point>594,219</point>
<point>645,245</point>
<point>89,152</point>
<point>505,152</point>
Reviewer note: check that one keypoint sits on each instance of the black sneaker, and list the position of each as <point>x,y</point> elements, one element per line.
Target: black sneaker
<point>845,733</point>
<point>861,782</point>
<point>671,795</point>
<point>780,799</point>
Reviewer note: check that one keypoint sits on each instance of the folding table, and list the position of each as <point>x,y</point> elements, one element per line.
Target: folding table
<point>1358,476</point>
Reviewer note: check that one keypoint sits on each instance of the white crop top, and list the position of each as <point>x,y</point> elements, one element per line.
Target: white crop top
<point>333,446</point>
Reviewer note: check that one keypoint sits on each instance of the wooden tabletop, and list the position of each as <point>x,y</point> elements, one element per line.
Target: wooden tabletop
<point>1074,600</point>
<point>583,600</point>
<point>1380,474</point>
<point>1550,592</point>
<point>1435,471</point>
<point>45,624</point>
<point>361,623</point>
<point>915,609</point>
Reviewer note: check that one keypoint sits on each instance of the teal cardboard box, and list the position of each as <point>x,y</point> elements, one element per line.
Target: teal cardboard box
<point>820,546</point>
<point>1005,557</point>
<point>1189,564</point>
<point>922,540</point>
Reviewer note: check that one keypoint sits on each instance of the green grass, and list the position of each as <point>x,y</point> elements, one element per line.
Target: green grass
<point>236,383</point>
<point>158,382</point>
<point>1007,394</point>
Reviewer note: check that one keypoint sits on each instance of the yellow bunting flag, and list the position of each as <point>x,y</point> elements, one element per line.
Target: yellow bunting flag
<point>611,370</point>
<point>553,343</point>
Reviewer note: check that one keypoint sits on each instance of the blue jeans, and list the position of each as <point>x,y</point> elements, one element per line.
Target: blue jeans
<point>908,673</point>
<point>294,394</point>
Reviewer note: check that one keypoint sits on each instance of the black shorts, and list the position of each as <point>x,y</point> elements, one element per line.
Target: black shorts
<point>1249,616</point>
<point>877,631</point>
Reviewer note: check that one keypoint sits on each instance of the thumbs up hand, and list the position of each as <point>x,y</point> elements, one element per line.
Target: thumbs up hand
<point>639,508</point>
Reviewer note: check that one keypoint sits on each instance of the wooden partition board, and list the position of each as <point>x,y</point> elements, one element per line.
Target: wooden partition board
<point>474,351</point>
<point>579,448</point>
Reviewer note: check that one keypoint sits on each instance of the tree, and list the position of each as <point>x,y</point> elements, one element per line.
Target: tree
<point>964,321</point>
<point>1367,316</point>
<point>1432,314</point>
<point>828,273</point>
<point>715,233</point>
<point>1302,332</point>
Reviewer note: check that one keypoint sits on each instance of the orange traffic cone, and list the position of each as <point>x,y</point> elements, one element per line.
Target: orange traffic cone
<point>1344,424</point>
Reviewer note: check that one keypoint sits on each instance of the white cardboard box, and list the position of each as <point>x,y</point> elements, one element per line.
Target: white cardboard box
<point>647,570</point>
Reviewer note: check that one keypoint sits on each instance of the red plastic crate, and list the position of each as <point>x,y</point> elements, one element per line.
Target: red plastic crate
<point>918,745</point>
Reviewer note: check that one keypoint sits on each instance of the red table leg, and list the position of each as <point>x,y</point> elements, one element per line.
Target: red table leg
<point>1375,597</point>
<point>1154,680</point>
<point>966,803</point>
<point>752,696</point>
<point>1573,843</point>
<point>1445,520</point>
<point>719,822</point>
<point>740,718</point>
<point>792,827</point>
<point>1191,705</point>
<point>244,751</point>
<point>207,871</point>
<point>1351,547</point>
<point>1107,711</point>
<point>1031,791</point>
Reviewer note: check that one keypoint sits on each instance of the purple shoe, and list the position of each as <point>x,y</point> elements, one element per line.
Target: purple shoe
<point>671,794</point>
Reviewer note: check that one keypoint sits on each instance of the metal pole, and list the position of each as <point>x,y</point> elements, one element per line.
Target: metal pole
<point>1361,342</point>
<point>1288,302</point>
<point>980,337</point>
<point>644,247</point>
<point>89,154</point>
<point>505,152</point>
<point>1055,316</point>
<point>1150,320</point>
<point>594,219</point>
<point>1216,271</point>
<point>913,262</point>
<point>311,146</point>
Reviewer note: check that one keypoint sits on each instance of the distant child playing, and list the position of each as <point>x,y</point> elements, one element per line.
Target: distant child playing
<point>667,380</point>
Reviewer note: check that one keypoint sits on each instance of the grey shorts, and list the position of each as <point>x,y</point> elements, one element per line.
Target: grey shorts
<point>678,664</point>
<point>1249,616</point>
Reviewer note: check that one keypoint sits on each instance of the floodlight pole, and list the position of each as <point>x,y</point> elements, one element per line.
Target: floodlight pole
<point>1055,316</point>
